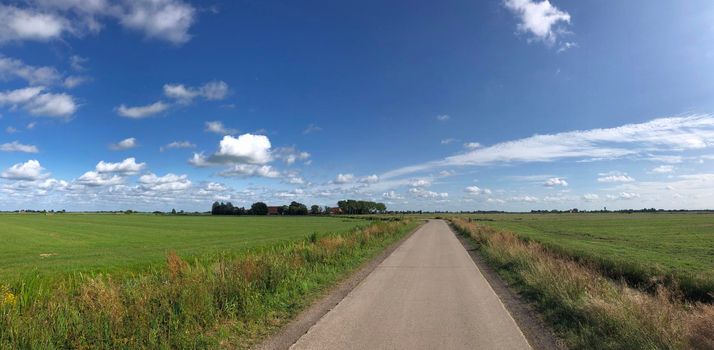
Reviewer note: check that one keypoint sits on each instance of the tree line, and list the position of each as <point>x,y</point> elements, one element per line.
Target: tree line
<point>295,208</point>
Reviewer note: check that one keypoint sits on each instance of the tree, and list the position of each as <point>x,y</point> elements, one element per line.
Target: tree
<point>259,208</point>
<point>315,209</point>
<point>173,211</point>
<point>296,208</point>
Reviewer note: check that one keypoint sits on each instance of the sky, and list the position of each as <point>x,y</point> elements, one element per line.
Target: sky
<point>453,105</point>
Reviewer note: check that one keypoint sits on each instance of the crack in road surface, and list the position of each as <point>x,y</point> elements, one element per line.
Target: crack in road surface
<point>428,294</point>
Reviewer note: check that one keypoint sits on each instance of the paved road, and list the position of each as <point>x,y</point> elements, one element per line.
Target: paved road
<point>427,295</point>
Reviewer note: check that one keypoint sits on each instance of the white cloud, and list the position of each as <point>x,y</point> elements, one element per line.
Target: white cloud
<point>290,155</point>
<point>38,103</point>
<point>10,130</point>
<point>26,24</point>
<point>217,127</point>
<point>614,176</point>
<point>77,63</point>
<point>443,117</point>
<point>73,81</point>
<point>420,183</point>
<point>628,195</point>
<point>161,19</point>
<point>424,193</point>
<point>94,179</point>
<point>31,125</point>
<point>214,90</point>
<point>248,170</point>
<point>370,179</point>
<point>311,128</point>
<point>590,197</point>
<point>18,147</point>
<point>10,67</point>
<point>448,141</point>
<point>128,166</point>
<point>125,144</point>
<point>472,145</point>
<point>30,170</point>
<point>541,19</point>
<point>142,111</point>
<point>391,195</point>
<point>45,20</point>
<point>663,169</point>
<point>168,182</point>
<point>477,190</point>
<point>526,198</point>
<point>344,178</point>
<point>177,144</point>
<point>664,134</point>
<point>246,148</point>
<point>555,181</point>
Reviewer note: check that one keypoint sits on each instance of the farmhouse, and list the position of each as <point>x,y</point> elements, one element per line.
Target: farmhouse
<point>273,210</point>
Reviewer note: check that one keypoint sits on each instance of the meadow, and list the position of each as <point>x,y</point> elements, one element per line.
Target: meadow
<point>203,282</point>
<point>646,249</point>
<point>49,245</point>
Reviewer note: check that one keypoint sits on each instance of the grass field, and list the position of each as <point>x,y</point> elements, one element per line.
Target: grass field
<point>49,244</point>
<point>587,309</point>
<point>641,247</point>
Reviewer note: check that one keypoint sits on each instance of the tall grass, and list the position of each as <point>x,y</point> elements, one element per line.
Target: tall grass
<point>230,302</point>
<point>589,310</point>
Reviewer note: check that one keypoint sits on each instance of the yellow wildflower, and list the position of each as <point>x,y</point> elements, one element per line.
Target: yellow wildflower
<point>9,299</point>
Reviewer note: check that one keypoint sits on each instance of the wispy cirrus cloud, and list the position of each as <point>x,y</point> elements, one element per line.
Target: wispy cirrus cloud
<point>673,134</point>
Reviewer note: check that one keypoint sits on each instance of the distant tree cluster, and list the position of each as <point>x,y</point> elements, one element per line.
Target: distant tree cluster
<point>351,206</point>
<point>260,208</point>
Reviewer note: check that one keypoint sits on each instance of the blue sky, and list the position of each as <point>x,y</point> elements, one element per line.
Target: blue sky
<point>460,105</point>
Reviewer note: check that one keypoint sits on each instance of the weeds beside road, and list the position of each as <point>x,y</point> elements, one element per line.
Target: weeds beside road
<point>589,310</point>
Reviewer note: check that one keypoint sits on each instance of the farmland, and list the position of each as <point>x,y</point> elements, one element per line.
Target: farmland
<point>638,247</point>
<point>48,244</point>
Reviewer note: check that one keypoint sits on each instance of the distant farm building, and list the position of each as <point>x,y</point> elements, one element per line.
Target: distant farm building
<point>335,211</point>
<point>273,210</point>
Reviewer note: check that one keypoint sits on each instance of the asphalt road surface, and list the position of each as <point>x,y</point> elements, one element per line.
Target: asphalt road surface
<point>428,294</point>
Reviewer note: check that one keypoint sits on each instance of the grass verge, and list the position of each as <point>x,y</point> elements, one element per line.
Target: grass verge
<point>587,309</point>
<point>230,302</point>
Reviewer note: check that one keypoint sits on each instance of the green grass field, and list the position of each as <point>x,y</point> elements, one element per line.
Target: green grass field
<point>49,244</point>
<point>637,246</point>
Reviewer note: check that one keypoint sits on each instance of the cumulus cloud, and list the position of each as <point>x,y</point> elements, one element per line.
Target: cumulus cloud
<point>290,155</point>
<point>344,178</point>
<point>472,145</point>
<point>477,190</point>
<point>663,169</point>
<point>420,183</point>
<point>18,24</point>
<point>555,181</point>
<point>245,149</point>
<point>448,141</point>
<point>14,68</point>
<point>248,170</point>
<point>167,20</point>
<point>18,147</point>
<point>217,127</point>
<point>95,179</point>
<point>614,176</point>
<point>125,144</point>
<point>424,193</point>
<point>73,81</point>
<point>443,117</point>
<point>30,171</point>
<point>371,179</point>
<point>142,111</point>
<point>539,18</point>
<point>44,20</point>
<point>214,90</point>
<point>39,103</point>
<point>590,197</point>
<point>128,166</point>
<point>177,144</point>
<point>168,182</point>
<point>391,195</point>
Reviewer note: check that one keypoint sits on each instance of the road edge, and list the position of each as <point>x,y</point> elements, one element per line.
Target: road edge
<point>532,325</point>
<point>290,333</point>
